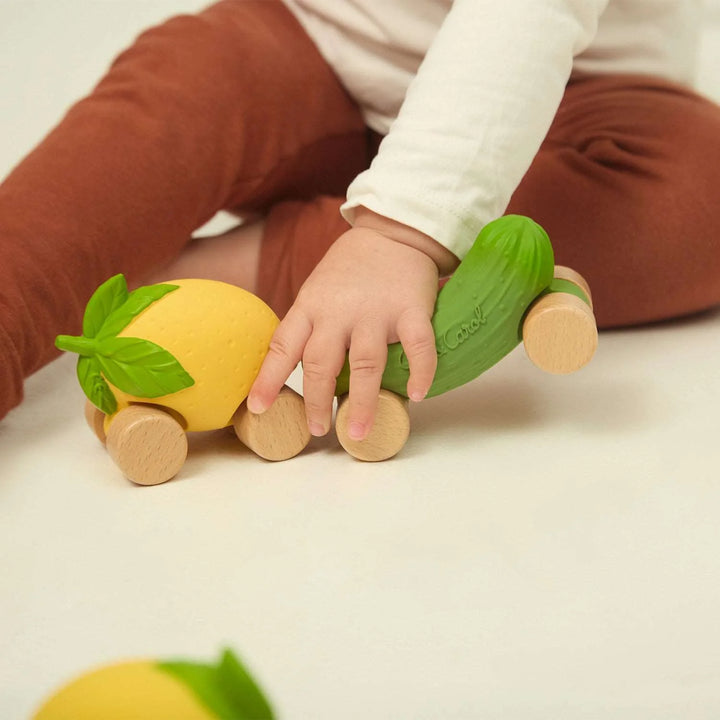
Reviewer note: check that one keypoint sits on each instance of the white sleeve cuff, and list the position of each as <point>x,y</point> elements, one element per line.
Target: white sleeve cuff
<point>475,115</point>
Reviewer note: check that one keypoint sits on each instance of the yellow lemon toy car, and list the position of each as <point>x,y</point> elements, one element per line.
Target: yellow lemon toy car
<point>175,357</point>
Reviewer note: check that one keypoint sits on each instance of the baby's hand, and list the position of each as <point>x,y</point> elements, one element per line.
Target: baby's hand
<point>376,285</point>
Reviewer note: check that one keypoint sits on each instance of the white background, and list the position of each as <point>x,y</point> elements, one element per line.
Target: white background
<point>543,547</point>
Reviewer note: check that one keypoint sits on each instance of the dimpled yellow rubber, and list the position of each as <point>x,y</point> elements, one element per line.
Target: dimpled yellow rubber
<point>127,691</point>
<point>220,334</point>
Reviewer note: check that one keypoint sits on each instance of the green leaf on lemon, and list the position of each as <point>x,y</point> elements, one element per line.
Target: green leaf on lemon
<point>140,367</point>
<point>240,687</point>
<point>134,365</point>
<point>94,385</point>
<point>226,689</point>
<point>137,301</point>
<point>111,295</point>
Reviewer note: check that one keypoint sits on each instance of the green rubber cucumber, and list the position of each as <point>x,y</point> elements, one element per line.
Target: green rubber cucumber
<point>479,311</point>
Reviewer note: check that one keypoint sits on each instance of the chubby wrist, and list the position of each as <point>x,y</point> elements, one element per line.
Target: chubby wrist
<point>445,260</point>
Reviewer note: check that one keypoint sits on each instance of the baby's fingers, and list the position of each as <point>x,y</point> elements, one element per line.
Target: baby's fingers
<point>286,349</point>
<point>322,361</point>
<point>367,358</point>
<point>417,337</point>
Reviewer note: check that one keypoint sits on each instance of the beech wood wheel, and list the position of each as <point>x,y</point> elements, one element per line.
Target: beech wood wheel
<point>147,443</point>
<point>389,432</point>
<point>560,334</point>
<point>559,331</point>
<point>95,419</point>
<point>280,433</point>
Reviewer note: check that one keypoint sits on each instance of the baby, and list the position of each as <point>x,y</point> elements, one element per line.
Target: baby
<point>368,142</point>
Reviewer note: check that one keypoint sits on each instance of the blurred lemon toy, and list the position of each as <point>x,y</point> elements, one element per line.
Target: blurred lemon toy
<point>175,357</point>
<point>173,690</point>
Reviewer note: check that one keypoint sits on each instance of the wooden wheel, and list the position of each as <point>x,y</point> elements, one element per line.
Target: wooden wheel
<point>280,433</point>
<point>562,272</point>
<point>559,332</point>
<point>147,443</point>
<point>388,435</point>
<point>95,419</point>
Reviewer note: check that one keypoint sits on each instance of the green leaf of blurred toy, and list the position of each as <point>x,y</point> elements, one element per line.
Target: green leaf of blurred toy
<point>226,688</point>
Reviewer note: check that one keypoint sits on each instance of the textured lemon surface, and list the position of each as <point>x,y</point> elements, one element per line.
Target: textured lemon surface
<point>128,691</point>
<point>220,334</point>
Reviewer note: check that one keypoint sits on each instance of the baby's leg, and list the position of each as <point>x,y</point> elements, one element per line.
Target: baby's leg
<point>232,108</point>
<point>274,255</point>
<point>232,257</point>
<point>626,185</point>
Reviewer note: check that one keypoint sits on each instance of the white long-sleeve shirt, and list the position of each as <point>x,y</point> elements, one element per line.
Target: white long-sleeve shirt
<point>466,90</point>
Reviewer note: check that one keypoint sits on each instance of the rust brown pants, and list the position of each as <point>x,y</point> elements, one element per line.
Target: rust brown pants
<point>234,108</point>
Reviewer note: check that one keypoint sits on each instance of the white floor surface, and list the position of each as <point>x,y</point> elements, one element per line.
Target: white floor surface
<point>544,547</point>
